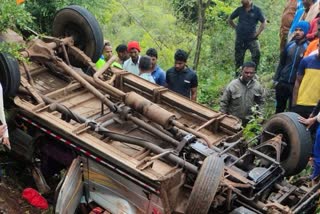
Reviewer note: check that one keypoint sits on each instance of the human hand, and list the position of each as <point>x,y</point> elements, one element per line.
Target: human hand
<point>6,142</point>
<point>275,83</point>
<point>308,122</point>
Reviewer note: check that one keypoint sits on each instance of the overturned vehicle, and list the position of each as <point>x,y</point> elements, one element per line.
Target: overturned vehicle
<point>135,147</point>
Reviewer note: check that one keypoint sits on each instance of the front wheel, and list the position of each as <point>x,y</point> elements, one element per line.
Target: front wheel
<point>206,185</point>
<point>295,155</point>
<point>9,75</point>
<point>81,25</point>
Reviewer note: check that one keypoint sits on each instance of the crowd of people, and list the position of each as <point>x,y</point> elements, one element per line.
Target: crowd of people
<point>180,78</point>
<point>296,79</point>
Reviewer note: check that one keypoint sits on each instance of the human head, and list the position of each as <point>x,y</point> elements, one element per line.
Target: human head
<point>153,54</point>
<point>107,50</point>
<point>122,51</point>
<point>301,29</point>
<point>145,64</point>
<point>248,71</point>
<point>246,2</point>
<point>134,50</point>
<point>180,59</point>
<point>308,3</point>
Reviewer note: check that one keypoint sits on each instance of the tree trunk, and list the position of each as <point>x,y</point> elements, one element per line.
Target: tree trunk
<point>201,20</point>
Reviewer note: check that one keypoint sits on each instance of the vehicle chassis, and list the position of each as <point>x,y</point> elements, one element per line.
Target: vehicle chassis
<point>170,138</point>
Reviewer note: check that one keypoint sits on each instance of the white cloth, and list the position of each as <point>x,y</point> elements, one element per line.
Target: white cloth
<point>2,115</point>
<point>318,117</point>
<point>147,76</point>
<point>313,12</point>
<point>128,65</point>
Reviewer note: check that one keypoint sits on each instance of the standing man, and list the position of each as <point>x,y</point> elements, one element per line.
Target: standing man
<point>122,51</point>
<point>157,73</point>
<point>180,78</point>
<point>132,64</point>
<point>246,33</point>
<point>286,21</point>
<point>242,94</point>
<point>290,58</point>
<point>306,92</point>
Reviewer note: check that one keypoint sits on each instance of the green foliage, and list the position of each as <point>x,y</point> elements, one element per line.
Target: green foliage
<point>152,23</point>
<point>254,126</point>
<point>186,10</point>
<point>13,16</point>
<point>12,49</point>
<point>44,11</point>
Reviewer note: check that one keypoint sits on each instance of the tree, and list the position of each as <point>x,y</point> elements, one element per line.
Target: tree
<point>202,6</point>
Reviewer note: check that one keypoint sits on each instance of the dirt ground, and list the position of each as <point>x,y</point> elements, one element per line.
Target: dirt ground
<point>14,178</point>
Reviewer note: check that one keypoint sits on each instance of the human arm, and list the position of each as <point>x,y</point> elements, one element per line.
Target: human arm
<point>234,15</point>
<point>300,74</point>
<point>281,64</point>
<point>3,129</point>
<point>225,100</point>
<point>260,29</point>
<point>296,89</point>
<point>231,23</point>
<point>263,24</point>
<point>194,94</point>
<point>162,78</point>
<point>307,121</point>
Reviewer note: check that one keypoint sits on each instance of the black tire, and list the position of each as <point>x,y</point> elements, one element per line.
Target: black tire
<point>9,75</point>
<point>79,23</point>
<point>295,155</point>
<point>206,185</point>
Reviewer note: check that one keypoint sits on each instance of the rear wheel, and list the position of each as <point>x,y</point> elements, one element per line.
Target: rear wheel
<point>206,185</point>
<point>295,155</point>
<point>77,22</point>
<point>9,75</point>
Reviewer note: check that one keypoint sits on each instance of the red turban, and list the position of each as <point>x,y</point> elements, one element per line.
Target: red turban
<point>134,44</point>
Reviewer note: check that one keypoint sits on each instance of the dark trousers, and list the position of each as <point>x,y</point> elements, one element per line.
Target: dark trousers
<point>283,95</point>
<point>303,111</point>
<point>240,50</point>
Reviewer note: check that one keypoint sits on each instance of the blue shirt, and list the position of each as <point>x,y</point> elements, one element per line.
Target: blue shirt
<point>159,76</point>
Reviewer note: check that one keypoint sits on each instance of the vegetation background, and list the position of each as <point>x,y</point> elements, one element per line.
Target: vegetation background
<point>166,25</point>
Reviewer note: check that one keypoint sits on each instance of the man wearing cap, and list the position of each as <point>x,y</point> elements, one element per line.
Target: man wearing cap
<point>286,72</point>
<point>132,64</point>
<point>182,79</point>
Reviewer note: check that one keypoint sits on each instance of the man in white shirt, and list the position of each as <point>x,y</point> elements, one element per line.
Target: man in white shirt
<point>132,64</point>
<point>145,67</point>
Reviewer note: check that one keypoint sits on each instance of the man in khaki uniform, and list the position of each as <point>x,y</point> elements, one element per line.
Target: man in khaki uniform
<point>242,94</point>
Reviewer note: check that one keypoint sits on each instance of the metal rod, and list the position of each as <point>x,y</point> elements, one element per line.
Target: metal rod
<point>153,130</point>
<point>198,134</point>
<point>122,138</point>
<point>87,85</point>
